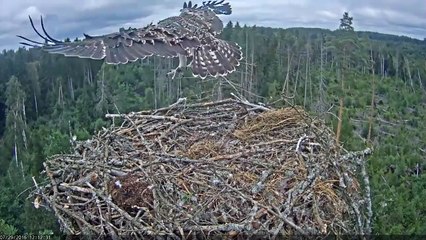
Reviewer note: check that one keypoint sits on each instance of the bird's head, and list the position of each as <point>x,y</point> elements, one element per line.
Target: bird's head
<point>205,14</point>
<point>208,13</point>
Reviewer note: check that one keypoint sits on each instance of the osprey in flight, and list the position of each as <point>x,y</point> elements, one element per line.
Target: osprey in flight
<point>191,35</point>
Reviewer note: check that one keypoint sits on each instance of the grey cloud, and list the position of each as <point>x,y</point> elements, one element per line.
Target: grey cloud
<point>65,18</point>
<point>386,16</point>
<point>391,16</point>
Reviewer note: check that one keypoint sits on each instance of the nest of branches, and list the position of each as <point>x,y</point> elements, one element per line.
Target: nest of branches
<point>227,168</point>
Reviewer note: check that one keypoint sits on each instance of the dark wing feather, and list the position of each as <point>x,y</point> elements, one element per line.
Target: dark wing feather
<point>121,47</point>
<point>216,57</point>
<point>193,34</point>
<point>217,7</point>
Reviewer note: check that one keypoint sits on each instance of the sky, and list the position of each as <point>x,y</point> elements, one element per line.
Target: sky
<point>72,18</point>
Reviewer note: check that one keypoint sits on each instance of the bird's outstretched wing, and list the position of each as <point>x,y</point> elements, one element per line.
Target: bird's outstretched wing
<point>216,57</point>
<point>218,7</point>
<point>127,45</point>
<point>194,33</point>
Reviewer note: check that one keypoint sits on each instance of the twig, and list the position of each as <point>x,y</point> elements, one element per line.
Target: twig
<point>299,142</point>
<point>227,166</point>
<point>256,106</point>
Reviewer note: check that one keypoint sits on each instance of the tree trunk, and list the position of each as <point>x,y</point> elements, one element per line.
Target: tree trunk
<point>341,102</point>
<point>396,65</point>
<point>306,78</point>
<point>382,65</point>
<point>251,88</point>
<point>16,140</point>
<point>24,113</point>
<point>287,76</point>
<point>245,88</point>
<point>370,120</point>
<point>60,95</point>
<point>420,80</point>
<point>407,66</point>
<point>88,74</point>
<point>297,76</point>
<point>155,82</point>
<point>103,85</point>
<point>322,87</point>
<point>339,121</point>
<point>219,90</point>
<point>71,86</point>
<point>35,102</point>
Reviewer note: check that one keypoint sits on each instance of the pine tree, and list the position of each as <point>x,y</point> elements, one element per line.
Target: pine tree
<point>346,22</point>
<point>15,119</point>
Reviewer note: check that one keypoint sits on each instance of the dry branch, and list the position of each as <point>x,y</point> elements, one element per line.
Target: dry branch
<point>228,167</point>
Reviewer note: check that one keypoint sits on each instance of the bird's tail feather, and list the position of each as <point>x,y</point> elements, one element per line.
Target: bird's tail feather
<point>218,59</point>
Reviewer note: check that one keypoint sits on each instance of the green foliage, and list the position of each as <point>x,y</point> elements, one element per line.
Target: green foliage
<point>56,143</point>
<point>15,137</point>
<point>346,22</point>
<point>45,100</point>
<point>16,210</point>
<point>83,134</point>
<point>30,219</point>
<point>6,229</point>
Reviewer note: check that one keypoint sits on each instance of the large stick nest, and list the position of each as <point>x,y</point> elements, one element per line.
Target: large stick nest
<point>220,168</point>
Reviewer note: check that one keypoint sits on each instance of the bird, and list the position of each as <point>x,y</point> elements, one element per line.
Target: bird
<point>192,37</point>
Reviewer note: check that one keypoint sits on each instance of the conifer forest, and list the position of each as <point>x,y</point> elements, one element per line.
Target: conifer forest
<point>370,88</point>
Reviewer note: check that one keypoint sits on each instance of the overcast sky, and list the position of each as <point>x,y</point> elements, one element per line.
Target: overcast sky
<point>71,18</point>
